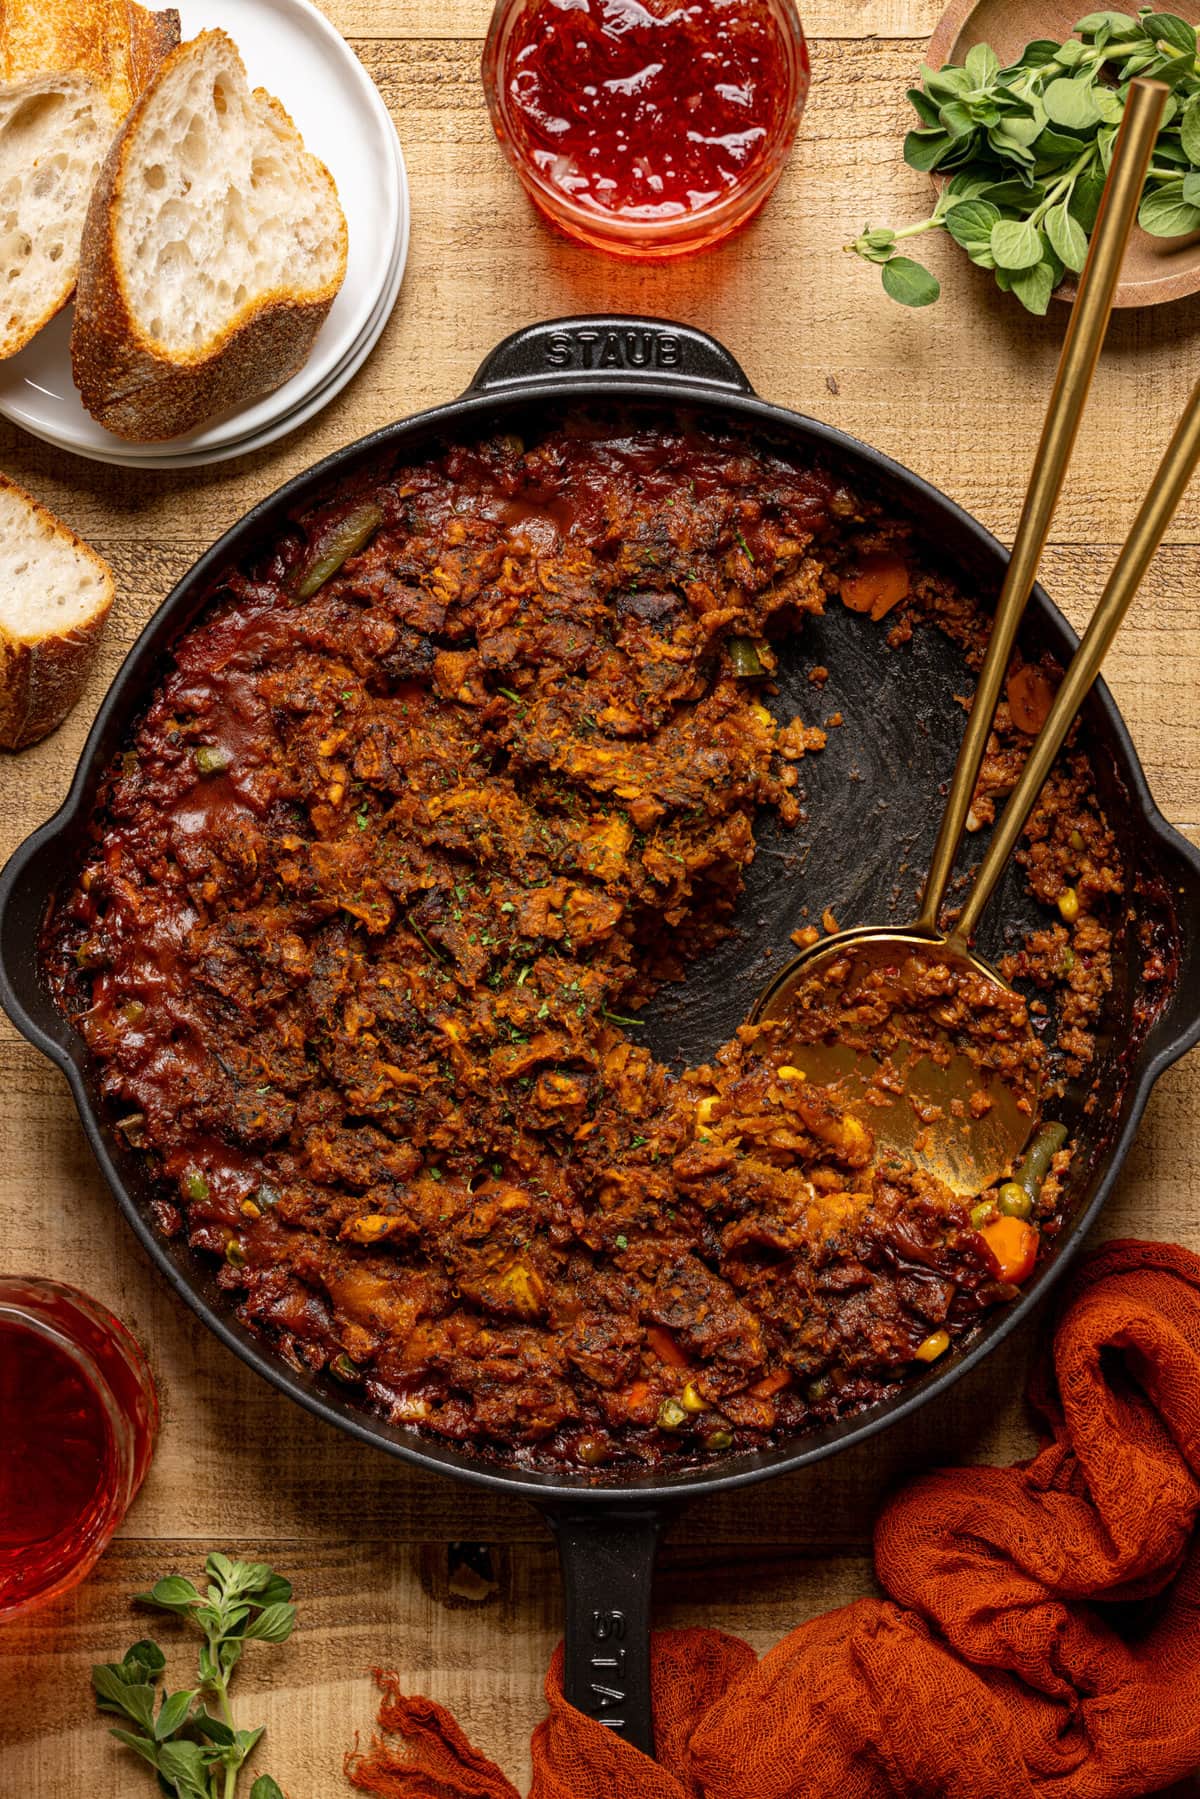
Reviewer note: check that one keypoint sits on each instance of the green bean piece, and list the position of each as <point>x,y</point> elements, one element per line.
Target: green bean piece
<point>1033,1170</point>
<point>343,1369</point>
<point>671,1415</point>
<point>743,654</point>
<point>721,1438</point>
<point>195,1186</point>
<point>346,538</point>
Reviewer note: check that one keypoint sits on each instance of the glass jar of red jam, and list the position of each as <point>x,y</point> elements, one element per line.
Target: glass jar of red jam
<point>646,127</point>
<point>78,1419</point>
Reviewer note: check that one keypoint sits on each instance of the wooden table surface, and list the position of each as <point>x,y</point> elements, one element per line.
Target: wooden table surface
<point>957,393</point>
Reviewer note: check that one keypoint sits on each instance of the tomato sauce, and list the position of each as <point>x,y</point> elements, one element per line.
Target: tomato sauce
<point>649,113</point>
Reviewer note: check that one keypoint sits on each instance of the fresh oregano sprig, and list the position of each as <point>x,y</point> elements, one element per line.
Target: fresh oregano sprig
<point>189,1737</point>
<point>1028,148</point>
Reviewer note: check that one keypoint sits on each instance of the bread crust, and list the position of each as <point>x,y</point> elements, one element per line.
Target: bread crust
<point>118,44</point>
<point>132,386</point>
<point>42,677</point>
<point>152,38</point>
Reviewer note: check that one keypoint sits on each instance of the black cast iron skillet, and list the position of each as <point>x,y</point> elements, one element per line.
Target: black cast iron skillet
<point>873,799</point>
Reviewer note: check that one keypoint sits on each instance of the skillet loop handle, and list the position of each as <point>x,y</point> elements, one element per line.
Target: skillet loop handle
<point>608,1568</point>
<point>612,347</point>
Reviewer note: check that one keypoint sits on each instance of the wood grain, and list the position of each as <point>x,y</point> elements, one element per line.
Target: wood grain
<point>956,393</point>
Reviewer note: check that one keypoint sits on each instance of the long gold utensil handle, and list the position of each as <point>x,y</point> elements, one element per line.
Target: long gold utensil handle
<point>1081,348</point>
<point>1167,489</point>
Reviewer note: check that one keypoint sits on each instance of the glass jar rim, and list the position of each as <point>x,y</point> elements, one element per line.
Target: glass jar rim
<point>621,227</point>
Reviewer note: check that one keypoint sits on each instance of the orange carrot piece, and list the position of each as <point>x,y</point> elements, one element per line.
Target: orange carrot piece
<point>665,1347</point>
<point>1030,696</point>
<point>770,1383</point>
<point>1013,1246</point>
<point>878,582</point>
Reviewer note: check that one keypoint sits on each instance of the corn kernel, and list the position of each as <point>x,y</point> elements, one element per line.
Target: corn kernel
<point>788,1073</point>
<point>1068,905</point>
<point>934,1346</point>
<point>762,715</point>
<point>249,1209</point>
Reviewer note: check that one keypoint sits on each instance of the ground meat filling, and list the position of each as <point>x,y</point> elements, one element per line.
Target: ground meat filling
<point>425,809</point>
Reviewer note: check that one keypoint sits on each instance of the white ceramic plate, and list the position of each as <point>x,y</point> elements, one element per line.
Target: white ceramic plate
<point>292,50</point>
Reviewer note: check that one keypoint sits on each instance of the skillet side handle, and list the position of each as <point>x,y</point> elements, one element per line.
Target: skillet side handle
<point>608,1569</point>
<point>591,348</point>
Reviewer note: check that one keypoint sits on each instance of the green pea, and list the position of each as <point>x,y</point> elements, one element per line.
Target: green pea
<point>1013,1201</point>
<point>211,759</point>
<point>671,1415</point>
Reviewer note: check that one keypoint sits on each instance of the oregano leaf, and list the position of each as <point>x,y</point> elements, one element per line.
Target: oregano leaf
<point>1033,287</point>
<point>1016,244</point>
<point>909,283</point>
<point>1165,212</point>
<point>1067,237</point>
<point>1189,131</point>
<point>272,1625</point>
<point>1071,103</point>
<point>924,149</point>
<point>1166,28</point>
<point>982,64</point>
<point>970,223</point>
<point>173,1594</point>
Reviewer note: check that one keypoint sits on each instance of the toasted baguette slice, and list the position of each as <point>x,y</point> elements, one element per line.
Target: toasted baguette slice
<point>69,70</point>
<point>214,247</point>
<point>117,43</point>
<point>54,134</point>
<point>55,595</point>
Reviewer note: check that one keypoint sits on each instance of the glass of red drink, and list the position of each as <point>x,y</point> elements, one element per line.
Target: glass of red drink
<point>646,127</point>
<point>78,1418</point>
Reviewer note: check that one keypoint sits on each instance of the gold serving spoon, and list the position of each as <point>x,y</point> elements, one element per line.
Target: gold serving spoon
<point>964,1123</point>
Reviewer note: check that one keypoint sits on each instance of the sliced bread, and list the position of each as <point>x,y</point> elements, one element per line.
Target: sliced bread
<point>213,249</point>
<point>117,43</point>
<point>54,134</point>
<point>69,70</point>
<point>55,595</point>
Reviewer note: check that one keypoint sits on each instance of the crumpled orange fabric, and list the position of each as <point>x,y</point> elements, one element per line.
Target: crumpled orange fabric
<point>1042,1634</point>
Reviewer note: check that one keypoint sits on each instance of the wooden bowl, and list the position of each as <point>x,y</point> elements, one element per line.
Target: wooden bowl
<point>1156,268</point>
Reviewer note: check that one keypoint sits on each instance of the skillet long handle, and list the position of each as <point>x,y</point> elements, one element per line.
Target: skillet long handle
<point>608,1568</point>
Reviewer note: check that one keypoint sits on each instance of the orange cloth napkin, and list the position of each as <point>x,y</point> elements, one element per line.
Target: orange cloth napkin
<point>1042,1634</point>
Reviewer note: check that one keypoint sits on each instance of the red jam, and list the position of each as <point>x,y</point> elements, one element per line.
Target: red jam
<point>642,125</point>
